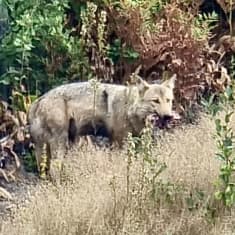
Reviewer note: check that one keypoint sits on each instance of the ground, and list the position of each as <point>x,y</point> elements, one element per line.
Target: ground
<point>102,193</point>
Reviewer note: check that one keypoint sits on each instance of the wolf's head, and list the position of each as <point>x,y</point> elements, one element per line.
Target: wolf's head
<point>156,101</point>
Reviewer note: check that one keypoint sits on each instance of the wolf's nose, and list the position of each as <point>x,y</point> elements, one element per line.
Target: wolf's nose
<point>167,117</point>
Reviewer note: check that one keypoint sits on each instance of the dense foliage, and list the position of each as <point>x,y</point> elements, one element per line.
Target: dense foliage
<point>53,42</point>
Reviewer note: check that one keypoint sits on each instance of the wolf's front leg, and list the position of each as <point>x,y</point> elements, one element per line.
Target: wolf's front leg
<point>41,156</point>
<point>58,151</point>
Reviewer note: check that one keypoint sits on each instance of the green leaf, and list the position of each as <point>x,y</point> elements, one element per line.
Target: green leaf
<point>218,125</point>
<point>228,116</point>
<point>228,190</point>
<point>218,195</point>
<point>5,81</point>
<point>220,156</point>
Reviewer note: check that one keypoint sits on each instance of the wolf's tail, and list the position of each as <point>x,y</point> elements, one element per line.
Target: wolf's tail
<point>33,110</point>
<point>34,121</point>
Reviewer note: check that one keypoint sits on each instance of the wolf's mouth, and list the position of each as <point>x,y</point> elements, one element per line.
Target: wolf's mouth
<point>164,121</point>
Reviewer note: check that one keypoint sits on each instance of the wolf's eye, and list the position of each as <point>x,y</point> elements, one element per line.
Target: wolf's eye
<point>168,100</point>
<point>156,101</point>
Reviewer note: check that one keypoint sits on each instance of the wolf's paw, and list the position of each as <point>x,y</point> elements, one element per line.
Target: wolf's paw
<point>43,176</point>
<point>42,171</point>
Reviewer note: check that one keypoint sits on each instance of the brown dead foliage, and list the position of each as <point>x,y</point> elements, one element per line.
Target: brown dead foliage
<point>172,48</point>
<point>12,131</point>
<point>166,44</point>
<point>226,5</point>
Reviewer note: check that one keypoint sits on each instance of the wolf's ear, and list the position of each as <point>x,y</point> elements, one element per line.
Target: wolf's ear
<point>170,83</point>
<point>141,85</point>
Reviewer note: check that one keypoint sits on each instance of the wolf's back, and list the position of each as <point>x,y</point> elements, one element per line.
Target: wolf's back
<point>52,111</point>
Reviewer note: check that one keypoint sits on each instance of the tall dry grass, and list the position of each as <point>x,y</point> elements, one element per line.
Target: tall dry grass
<point>93,196</point>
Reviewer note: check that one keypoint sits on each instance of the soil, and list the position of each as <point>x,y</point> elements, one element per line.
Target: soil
<point>20,190</point>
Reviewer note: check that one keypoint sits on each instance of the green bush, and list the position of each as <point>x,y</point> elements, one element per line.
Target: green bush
<point>38,52</point>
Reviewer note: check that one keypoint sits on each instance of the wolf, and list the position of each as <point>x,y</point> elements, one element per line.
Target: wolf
<point>62,114</point>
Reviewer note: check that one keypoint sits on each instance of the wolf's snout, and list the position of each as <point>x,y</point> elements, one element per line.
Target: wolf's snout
<point>167,118</point>
<point>164,121</point>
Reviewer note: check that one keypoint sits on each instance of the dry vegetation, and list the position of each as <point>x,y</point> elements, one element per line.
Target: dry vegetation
<point>93,197</point>
<point>106,191</point>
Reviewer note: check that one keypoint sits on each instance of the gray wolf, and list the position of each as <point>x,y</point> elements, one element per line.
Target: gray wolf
<point>85,108</point>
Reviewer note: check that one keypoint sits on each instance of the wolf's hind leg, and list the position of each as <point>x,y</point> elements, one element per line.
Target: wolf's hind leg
<point>85,141</point>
